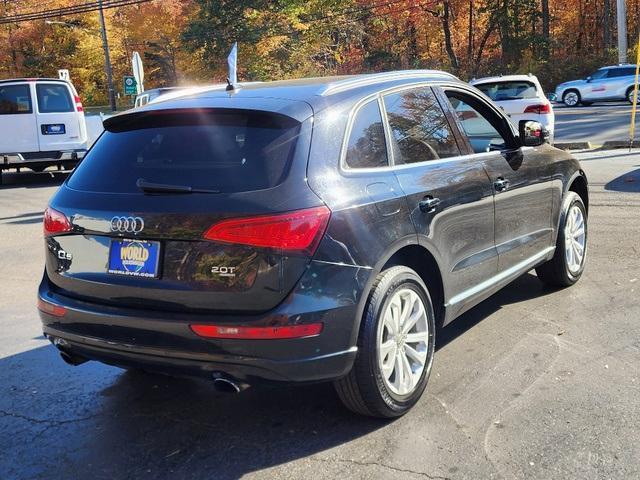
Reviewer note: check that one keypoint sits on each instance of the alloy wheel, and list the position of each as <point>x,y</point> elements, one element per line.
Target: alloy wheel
<point>575,239</point>
<point>571,99</point>
<point>403,338</point>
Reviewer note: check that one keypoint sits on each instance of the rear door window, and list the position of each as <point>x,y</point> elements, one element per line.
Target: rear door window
<point>224,150</point>
<point>53,98</point>
<point>15,99</point>
<point>420,130</point>
<point>367,147</point>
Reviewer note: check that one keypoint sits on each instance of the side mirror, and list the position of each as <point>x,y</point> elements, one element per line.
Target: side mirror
<point>532,133</point>
<point>588,79</point>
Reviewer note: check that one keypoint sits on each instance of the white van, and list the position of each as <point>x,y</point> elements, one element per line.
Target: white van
<point>41,124</point>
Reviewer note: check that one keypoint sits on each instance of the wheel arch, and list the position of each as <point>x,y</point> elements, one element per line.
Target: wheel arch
<point>572,89</point>
<point>628,90</point>
<point>578,184</point>
<point>419,258</point>
<point>410,253</point>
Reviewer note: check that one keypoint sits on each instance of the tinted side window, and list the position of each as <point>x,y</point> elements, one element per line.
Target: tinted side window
<point>600,74</point>
<point>477,124</point>
<point>15,99</point>
<point>626,72</point>
<point>367,147</point>
<point>53,98</point>
<point>419,126</point>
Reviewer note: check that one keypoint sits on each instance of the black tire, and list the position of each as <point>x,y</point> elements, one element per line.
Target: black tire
<point>363,390</point>
<point>629,95</point>
<point>556,271</point>
<point>566,94</point>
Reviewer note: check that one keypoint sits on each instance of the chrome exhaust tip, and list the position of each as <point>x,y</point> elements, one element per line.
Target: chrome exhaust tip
<point>226,384</point>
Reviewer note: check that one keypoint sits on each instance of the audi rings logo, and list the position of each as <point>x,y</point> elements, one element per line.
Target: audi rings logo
<point>127,224</point>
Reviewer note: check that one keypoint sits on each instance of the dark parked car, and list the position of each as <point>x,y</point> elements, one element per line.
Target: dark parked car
<point>304,231</point>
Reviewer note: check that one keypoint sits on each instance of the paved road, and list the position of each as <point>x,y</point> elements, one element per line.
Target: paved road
<point>533,383</point>
<point>596,124</point>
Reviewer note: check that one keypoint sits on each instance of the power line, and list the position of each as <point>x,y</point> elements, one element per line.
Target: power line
<point>70,10</point>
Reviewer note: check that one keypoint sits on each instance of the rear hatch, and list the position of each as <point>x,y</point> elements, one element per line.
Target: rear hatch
<point>514,96</point>
<point>188,210</point>
<point>59,117</point>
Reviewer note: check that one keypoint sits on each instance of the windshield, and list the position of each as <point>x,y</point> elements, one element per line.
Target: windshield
<point>229,151</point>
<point>514,90</point>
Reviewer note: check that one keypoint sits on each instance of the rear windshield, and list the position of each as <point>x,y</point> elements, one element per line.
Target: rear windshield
<point>498,91</point>
<point>53,98</point>
<point>229,151</point>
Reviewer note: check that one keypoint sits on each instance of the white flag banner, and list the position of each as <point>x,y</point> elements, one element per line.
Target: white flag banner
<point>232,61</point>
<point>138,71</point>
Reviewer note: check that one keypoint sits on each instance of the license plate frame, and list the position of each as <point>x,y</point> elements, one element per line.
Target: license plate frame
<point>134,262</point>
<point>53,129</point>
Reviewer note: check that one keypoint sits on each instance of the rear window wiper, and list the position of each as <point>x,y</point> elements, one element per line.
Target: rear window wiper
<point>150,187</point>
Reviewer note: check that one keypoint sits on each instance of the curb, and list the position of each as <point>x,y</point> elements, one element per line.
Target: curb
<point>609,145</point>
<point>612,145</point>
<point>574,145</point>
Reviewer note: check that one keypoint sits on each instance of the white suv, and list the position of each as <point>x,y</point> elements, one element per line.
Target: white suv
<point>521,97</point>
<point>607,84</point>
<point>42,124</point>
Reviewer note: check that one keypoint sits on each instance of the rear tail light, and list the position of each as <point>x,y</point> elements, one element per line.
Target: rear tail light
<point>538,109</point>
<point>51,308</point>
<point>297,231</point>
<point>78,102</point>
<point>55,222</point>
<point>257,333</point>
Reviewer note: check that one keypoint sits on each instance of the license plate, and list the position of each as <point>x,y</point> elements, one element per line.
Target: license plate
<point>136,258</point>
<point>54,129</point>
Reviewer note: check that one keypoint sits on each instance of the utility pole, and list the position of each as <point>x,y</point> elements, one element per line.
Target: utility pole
<point>606,23</point>
<point>107,59</point>
<point>622,31</point>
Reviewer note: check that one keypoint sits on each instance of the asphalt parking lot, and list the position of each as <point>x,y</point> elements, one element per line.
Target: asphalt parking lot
<point>597,123</point>
<point>533,383</point>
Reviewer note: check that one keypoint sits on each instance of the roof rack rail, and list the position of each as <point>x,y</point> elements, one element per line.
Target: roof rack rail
<point>371,78</point>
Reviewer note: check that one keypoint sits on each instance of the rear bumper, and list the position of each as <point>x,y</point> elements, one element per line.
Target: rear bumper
<point>9,160</point>
<point>243,368</point>
<point>163,341</point>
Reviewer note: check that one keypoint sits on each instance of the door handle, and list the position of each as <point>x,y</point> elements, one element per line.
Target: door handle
<point>501,184</point>
<point>428,204</point>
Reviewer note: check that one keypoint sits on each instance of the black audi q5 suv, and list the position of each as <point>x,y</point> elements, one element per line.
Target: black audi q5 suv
<point>304,231</point>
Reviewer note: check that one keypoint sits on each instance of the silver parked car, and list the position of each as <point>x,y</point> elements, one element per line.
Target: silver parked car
<point>607,84</point>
